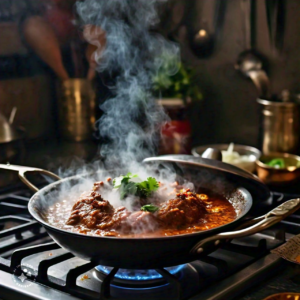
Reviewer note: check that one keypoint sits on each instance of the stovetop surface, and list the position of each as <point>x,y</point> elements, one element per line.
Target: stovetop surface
<point>33,266</point>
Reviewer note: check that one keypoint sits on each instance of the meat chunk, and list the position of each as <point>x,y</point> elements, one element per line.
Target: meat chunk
<point>184,210</point>
<point>91,210</point>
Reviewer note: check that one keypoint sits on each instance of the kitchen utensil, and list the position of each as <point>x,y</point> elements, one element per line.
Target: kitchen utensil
<point>89,53</point>
<point>96,39</point>
<point>41,38</point>
<point>7,132</point>
<point>252,152</point>
<point>251,66</point>
<point>11,148</point>
<point>249,62</point>
<point>243,188</point>
<point>276,13</point>
<point>34,91</point>
<point>280,28</point>
<point>212,16</point>
<point>275,176</point>
<point>272,11</point>
<point>212,153</point>
<point>76,102</point>
<point>142,253</point>
<point>280,126</point>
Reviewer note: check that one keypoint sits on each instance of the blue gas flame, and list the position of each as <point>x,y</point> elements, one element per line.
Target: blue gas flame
<point>128,274</point>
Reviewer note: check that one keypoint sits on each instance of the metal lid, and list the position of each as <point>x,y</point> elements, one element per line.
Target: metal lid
<point>277,104</point>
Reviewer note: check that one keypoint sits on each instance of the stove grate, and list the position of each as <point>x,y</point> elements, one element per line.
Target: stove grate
<point>18,229</point>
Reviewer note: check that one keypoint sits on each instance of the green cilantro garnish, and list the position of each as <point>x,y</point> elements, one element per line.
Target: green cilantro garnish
<point>142,189</point>
<point>150,207</point>
<point>123,179</point>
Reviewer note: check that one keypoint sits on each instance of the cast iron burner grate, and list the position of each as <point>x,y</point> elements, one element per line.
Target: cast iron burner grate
<point>57,274</point>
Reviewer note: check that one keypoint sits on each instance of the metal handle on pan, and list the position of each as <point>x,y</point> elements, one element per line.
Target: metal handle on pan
<point>23,170</point>
<point>263,222</point>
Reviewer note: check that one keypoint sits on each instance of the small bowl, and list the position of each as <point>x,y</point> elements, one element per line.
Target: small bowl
<point>284,296</point>
<point>241,149</point>
<point>275,176</point>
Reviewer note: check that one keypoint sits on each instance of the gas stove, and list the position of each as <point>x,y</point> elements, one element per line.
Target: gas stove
<point>32,266</point>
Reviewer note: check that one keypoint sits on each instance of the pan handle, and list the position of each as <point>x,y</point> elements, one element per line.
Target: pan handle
<point>263,222</point>
<point>23,170</point>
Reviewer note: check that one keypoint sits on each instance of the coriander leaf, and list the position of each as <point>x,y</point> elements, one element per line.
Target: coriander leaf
<point>126,189</point>
<point>150,207</point>
<point>131,188</point>
<point>117,181</point>
<point>122,179</point>
<point>152,184</point>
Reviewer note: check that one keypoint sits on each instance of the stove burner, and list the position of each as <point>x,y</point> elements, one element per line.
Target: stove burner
<point>138,275</point>
<point>137,279</point>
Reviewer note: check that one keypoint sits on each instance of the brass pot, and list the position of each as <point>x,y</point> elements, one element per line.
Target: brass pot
<point>280,126</point>
<point>275,176</point>
<point>76,103</point>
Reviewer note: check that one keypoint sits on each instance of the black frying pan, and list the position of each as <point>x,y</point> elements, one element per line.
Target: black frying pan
<point>143,253</point>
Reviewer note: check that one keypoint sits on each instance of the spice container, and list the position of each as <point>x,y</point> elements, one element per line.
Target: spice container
<point>176,133</point>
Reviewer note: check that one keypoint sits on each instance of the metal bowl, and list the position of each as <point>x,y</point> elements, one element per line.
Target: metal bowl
<point>275,176</point>
<point>284,296</point>
<point>241,149</point>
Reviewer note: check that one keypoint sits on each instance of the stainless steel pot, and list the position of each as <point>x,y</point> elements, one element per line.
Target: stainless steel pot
<point>280,126</point>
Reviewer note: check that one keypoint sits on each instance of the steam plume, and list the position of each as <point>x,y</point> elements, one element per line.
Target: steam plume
<point>135,55</point>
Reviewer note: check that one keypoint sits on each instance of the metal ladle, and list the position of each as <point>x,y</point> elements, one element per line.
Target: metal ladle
<point>249,63</point>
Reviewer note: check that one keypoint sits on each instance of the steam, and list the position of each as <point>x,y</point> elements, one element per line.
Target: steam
<point>133,55</point>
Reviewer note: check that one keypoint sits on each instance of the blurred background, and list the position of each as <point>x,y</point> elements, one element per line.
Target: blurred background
<point>233,52</point>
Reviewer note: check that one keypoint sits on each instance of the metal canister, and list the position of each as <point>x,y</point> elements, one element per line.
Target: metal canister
<point>280,126</point>
<point>76,101</point>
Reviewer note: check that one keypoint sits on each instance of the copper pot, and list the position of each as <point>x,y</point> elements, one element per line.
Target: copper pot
<point>282,176</point>
<point>284,296</point>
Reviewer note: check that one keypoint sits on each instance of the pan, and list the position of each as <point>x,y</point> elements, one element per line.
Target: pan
<point>243,189</point>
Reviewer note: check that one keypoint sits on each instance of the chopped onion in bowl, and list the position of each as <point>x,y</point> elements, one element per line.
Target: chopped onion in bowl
<point>246,162</point>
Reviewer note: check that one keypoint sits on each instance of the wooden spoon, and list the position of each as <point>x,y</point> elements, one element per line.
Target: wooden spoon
<point>41,38</point>
<point>96,38</point>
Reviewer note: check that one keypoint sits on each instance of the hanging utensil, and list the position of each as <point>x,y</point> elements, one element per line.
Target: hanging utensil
<point>276,22</point>
<point>249,61</point>
<point>280,24</point>
<point>41,38</point>
<point>212,16</point>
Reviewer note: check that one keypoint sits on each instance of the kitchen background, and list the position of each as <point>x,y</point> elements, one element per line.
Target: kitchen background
<point>228,112</point>
<point>42,44</point>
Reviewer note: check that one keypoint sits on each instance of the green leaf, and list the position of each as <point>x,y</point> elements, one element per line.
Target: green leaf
<point>276,163</point>
<point>150,207</point>
<point>126,189</point>
<point>141,189</point>
<point>153,184</point>
<point>122,179</point>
